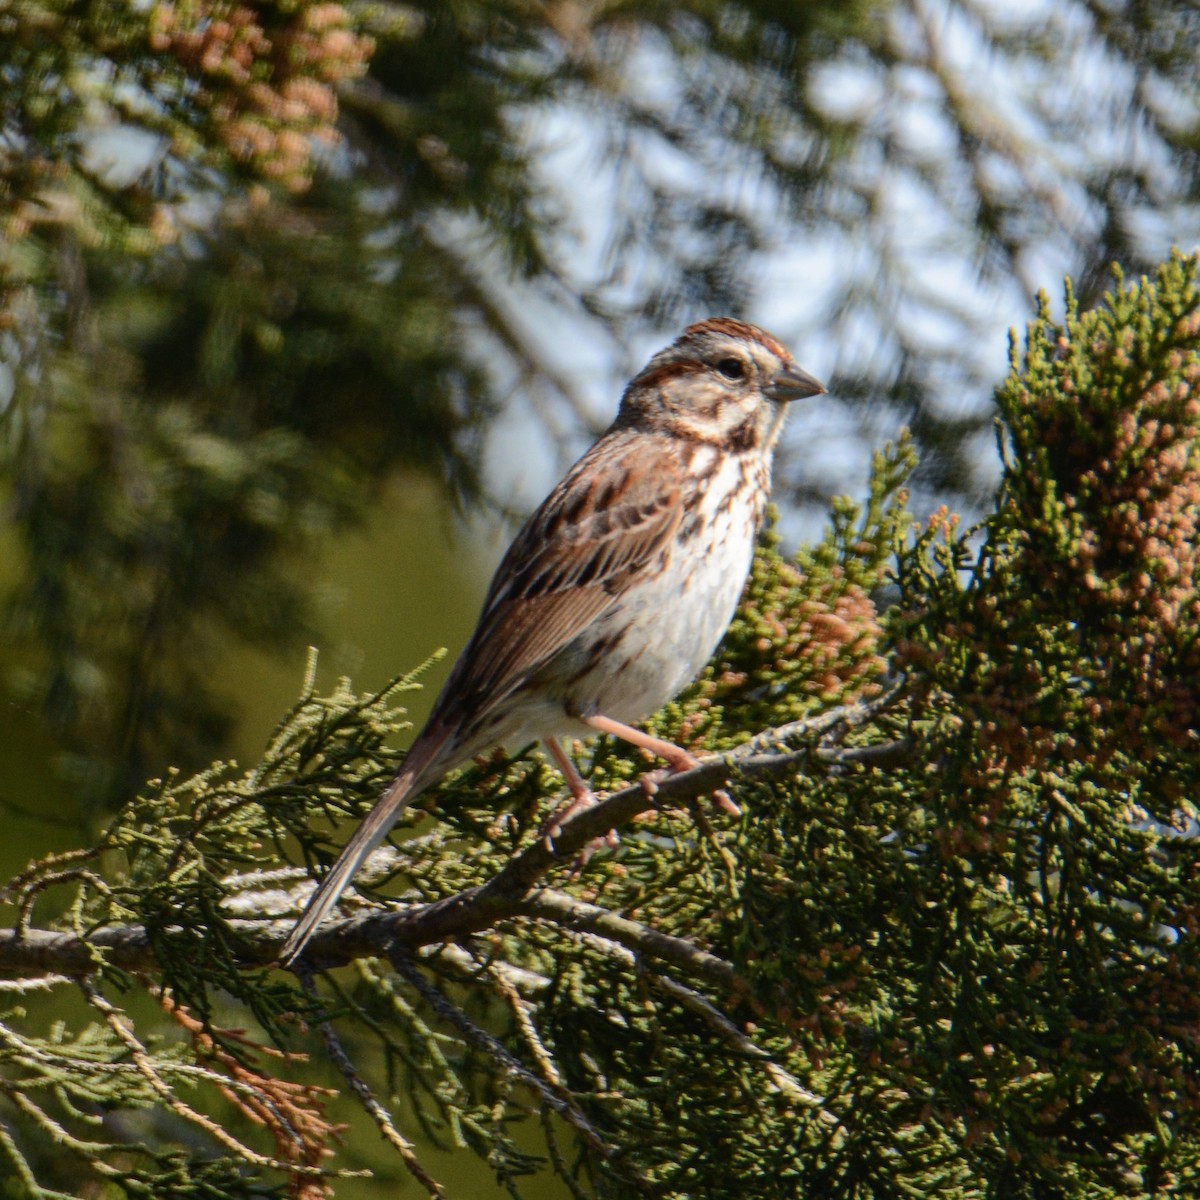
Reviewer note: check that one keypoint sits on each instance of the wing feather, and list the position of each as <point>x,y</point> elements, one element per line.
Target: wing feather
<point>608,520</point>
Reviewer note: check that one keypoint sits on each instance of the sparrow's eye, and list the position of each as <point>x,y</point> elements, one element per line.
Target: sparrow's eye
<point>732,368</point>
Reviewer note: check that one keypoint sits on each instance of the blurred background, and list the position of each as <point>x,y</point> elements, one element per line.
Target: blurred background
<point>303,304</point>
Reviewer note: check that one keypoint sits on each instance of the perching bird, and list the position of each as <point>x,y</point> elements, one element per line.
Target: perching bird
<point>618,589</point>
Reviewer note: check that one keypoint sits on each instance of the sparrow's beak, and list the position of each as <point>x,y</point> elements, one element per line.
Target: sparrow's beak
<point>791,383</point>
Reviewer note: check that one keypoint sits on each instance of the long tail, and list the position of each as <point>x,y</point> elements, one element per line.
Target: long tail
<point>404,788</point>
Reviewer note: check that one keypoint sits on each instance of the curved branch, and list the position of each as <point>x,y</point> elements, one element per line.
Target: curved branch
<point>513,892</point>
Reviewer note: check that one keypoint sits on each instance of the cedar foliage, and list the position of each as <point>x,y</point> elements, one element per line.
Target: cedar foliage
<point>954,954</point>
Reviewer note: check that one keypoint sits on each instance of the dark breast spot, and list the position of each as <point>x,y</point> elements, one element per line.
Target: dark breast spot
<point>743,437</point>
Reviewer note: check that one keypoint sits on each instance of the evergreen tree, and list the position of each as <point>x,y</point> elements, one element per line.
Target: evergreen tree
<point>946,950</point>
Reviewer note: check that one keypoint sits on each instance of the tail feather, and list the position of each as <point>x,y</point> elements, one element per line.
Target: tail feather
<point>404,788</point>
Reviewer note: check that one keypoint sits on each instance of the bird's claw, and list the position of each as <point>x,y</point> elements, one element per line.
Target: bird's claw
<point>553,829</point>
<point>725,802</point>
<point>721,798</point>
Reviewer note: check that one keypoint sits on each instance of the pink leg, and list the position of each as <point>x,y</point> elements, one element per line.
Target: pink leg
<point>581,794</point>
<point>678,760</point>
<point>582,797</point>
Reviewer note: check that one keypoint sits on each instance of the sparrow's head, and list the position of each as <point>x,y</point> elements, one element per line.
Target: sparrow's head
<point>721,381</point>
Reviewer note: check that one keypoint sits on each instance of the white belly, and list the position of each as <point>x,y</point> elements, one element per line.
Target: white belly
<point>668,626</point>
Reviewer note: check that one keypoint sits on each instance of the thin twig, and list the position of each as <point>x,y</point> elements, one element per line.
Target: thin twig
<point>488,1045</point>
<point>782,1080</point>
<point>367,1098</point>
<point>38,983</point>
<point>146,1065</point>
<point>565,911</point>
<point>522,1013</point>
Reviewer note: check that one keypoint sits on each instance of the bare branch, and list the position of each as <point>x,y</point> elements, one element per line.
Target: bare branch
<point>563,910</point>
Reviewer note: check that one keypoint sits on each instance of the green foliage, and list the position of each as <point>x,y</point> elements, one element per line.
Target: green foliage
<point>993,954</point>
<point>195,447</point>
<point>194,861</point>
<point>219,348</point>
<point>952,952</point>
<point>187,849</point>
<point>277,284</point>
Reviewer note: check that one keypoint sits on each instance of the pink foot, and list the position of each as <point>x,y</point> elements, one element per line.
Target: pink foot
<point>721,798</point>
<point>677,759</point>
<point>582,797</point>
<point>553,828</point>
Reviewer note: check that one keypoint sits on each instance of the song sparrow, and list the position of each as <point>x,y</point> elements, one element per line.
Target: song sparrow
<point>619,587</point>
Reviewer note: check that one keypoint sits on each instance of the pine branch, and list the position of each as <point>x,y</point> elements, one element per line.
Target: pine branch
<point>552,1098</point>
<point>513,891</point>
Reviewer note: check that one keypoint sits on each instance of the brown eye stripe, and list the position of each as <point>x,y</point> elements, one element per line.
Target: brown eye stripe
<point>659,375</point>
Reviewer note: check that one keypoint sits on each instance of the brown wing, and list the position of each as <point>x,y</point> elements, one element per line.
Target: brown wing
<point>606,522</point>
